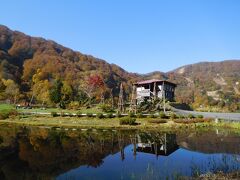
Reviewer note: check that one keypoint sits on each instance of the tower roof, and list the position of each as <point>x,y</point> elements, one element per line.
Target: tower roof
<point>153,81</point>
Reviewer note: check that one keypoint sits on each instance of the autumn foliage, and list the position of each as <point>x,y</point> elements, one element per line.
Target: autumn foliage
<point>31,67</point>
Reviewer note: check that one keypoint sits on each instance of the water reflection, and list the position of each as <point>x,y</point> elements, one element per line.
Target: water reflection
<point>40,153</point>
<point>163,144</point>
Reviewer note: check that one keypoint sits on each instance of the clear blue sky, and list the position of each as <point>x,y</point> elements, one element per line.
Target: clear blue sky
<point>139,35</point>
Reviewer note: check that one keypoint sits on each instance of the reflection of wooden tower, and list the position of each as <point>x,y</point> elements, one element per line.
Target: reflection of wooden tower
<point>121,100</point>
<point>133,103</point>
<point>121,146</point>
<point>134,142</point>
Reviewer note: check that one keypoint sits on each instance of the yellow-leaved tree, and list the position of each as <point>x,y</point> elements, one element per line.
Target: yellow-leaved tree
<point>40,88</point>
<point>12,90</point>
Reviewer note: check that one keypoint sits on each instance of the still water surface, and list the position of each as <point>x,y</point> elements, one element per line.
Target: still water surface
<point>43,153</point>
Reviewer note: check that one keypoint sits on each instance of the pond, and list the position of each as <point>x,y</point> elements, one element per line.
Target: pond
<point>68,153</point>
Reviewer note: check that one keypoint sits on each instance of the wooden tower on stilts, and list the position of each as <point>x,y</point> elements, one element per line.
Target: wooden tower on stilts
<point>121,100</point>
<point>133,103</point>
<point>112,98</point>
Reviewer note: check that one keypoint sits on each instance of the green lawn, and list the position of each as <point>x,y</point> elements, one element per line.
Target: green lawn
<point>83,122</point>
<point>4,108</point>
<point>49,110</point>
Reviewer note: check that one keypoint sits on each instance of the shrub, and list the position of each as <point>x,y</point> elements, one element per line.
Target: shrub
<point>54,114</point>
<point>151,116</point>
<point>4,115</point>
<point>73,105</point>
<point>110,115</point>
<point>100,115</point>
<point>131,115</point>
<point>106,108</point>
<point>13,113</point>
<point>70,115</point>
<point>119,115</point>
<point>89,115</point>
<point>197,120</point>
<point>188,121</point>
<point>140,115</point>
<point>208,120</point>
<point>127,121</point>
<point>173,116</point>
<point>162,115</point>
<point>181,116</point>
<point>79,114</point>
<point>63,114</point>
<point>183,121</point>
<point>157,121</point>
<point>200,116</point>
<point>191,116</point>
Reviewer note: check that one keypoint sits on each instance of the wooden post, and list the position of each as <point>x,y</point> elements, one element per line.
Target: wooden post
<point>102,98</point>
<point>121,100</point>
<point>155,91</point>
<point>133,103</point>
<point>30,104</point>
<point>163,91</point>
<point>112,98</point>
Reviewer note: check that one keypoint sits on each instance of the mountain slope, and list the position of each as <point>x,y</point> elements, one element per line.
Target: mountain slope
<point>210,83</point>
<point>21,56</point>
<point>24,59</point>
<point>213,86</point>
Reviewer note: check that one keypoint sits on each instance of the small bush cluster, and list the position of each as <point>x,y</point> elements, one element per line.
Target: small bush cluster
<point>79,114</point>
<point>63,114</point>
<point>106,108</point>
<point>189,121</point>
<point>89,115</point>
<point>140,115</point>
<point>181,116</point>
<point>109,115</point>
<point>119,115</point>
<point>127,121</point>
<point>157,121</point>
<point>191,116</point>
<point>200,116</point>
<point>5,115</point>
<point>54,114</point>
<point>151,116</point>
<point>100,116</point>
<point>70,115</point>
<point>131,115</point>
<point>173,116</point>
<point>162,115</point>
<point>13,113</point>
<point>73,105</point>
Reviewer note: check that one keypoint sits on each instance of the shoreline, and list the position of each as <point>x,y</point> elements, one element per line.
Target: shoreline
<point>112,123</point>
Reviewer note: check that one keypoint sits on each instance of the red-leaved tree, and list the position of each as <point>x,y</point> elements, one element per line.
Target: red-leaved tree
<point>94,86</point>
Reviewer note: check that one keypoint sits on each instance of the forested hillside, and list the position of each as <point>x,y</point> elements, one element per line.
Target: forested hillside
<point>33,66</point>
<point>210,84</point>
<point>45,72</point>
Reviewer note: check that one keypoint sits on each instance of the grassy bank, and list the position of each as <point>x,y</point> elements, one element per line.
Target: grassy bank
<point>216,176</point>
<point>94,122</point>
<point>162,121</point>
<point>4,108</point>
